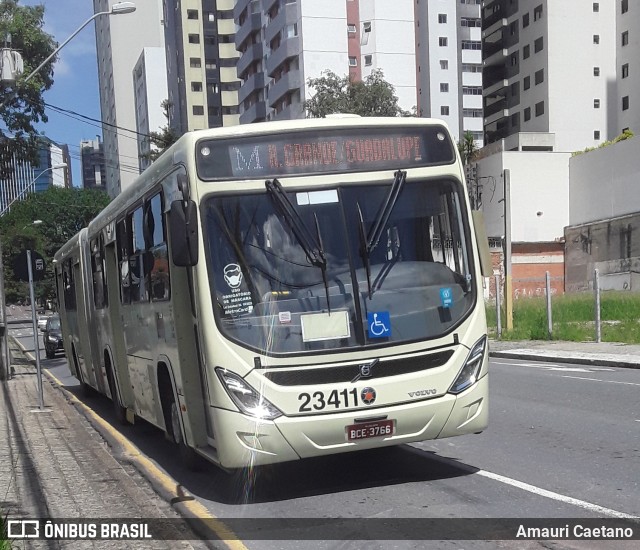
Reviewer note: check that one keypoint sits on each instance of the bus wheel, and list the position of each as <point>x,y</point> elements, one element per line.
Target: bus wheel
<point>84,387</point>
<point>188,456</point>
<point>120,411</point>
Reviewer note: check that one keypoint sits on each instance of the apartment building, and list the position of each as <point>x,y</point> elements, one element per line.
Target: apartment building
<point>283,43</point>
<point>150,93</point>
<point>93,165</point>
<point>448,38</point>
<point>119,41</point>
<point>24,178</point>
<point>549,66</point>
<point>201,64</point>
<point>628,65</point>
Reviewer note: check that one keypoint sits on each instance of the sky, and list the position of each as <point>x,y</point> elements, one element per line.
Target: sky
<point>75,86</point>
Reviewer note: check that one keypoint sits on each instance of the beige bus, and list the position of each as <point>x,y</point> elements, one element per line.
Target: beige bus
<point>283,290</point>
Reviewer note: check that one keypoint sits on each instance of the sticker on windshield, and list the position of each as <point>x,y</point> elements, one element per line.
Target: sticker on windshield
<point>238,301</point>
<point>379,324</point>
<point>233,275</point>
<point>446,297</point>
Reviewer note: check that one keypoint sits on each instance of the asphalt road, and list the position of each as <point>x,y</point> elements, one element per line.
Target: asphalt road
<point>562,443</point>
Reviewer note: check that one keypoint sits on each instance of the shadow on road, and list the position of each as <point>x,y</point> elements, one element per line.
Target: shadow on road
<point>305,478</point>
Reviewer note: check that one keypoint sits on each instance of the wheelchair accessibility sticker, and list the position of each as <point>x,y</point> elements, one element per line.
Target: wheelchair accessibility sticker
<point>446,297</point>
<point>379,324</point>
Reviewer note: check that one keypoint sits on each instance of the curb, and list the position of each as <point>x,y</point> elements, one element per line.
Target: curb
<point>532,356</point>
<point>212,530</point>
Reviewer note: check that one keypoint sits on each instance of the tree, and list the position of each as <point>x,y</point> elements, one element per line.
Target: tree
<point>468,151</point>
<point>22,105</point>
<point>373,96</point>
<point>63,213</point>
<point>165,138</point>
<point>467,148</point>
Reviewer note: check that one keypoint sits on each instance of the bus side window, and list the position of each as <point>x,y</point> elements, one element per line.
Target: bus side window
<point>137,271</point>
<point>156,242</point>
<point>98,269</point>
<point>69,286</point>
<point>124,246</point>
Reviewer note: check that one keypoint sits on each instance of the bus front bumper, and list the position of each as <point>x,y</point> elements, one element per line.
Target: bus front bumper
<point>247,442</point>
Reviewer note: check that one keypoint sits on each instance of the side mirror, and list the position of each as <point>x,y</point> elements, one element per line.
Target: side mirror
<point>183,232</point>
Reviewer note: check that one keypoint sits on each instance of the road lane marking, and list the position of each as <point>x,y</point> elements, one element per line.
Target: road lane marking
<point>530,488</point>
<point>553,366</point>
<point>597,380</point>
<point>556,496</point>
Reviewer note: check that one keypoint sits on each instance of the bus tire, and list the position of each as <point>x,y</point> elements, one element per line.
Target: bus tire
<point>171,412</point>
<point>119,410</point>
<point>85,388</point>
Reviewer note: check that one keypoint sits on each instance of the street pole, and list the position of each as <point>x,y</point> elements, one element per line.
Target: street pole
<point>36,339</point>
<point>498,306</point>
<point>596,290</point>
<point>508,284</point>
<point>4,339</point>
<point>547,281</point>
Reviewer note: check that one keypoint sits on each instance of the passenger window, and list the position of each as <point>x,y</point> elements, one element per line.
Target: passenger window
<point>159,258</point>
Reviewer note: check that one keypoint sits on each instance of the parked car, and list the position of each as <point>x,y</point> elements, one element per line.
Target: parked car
<point>42,322</point>
<point>53,337</point>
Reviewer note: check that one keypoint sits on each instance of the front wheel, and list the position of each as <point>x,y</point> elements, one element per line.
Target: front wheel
<point>120,411</point>
<point>188,456</point>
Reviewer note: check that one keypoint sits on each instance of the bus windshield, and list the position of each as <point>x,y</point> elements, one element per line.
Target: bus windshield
<point>412,282</point>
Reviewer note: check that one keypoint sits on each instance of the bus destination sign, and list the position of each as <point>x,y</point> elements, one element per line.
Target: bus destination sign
<point>305,153</point>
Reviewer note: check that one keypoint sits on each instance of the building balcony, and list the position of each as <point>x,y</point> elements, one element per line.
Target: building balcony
<point>288,49</point>
<point>268,4</point>
<point>288,15</point>
<point>496,27</point>
<point>491,109</point>
<point>291,112</point>
<point>228,51</point>
<point>252,84</point>
<point>496,134</point>
<point>490,48</point>
<point>490,18</point>
<point>250,26</point>
<point>256,113</point>
<point>239,8</point>
<point>252,54</point>
<point>289,81</point>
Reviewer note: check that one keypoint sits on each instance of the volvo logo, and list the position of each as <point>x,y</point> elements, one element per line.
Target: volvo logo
<point>365,370</point>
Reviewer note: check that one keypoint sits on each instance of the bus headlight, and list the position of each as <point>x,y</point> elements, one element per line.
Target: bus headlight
<point>248,400</point>
<point>469,373</point>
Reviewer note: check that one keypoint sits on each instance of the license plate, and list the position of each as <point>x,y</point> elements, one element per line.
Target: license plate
<point>366,430</point>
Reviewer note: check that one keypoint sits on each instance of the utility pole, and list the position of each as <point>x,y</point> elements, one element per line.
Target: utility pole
<point>508,285</point>
<point>4,340</point>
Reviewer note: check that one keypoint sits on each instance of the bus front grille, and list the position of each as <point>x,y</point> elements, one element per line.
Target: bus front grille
<point>301,376</point>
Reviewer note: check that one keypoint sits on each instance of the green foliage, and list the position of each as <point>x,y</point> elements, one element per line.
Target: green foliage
<point>627,134</point>
<point>63,213</point>
<point>467,148</point>
<point>574,318</point>
<point>373,96</point>
<point>22,105</point>
<point>163,139</point>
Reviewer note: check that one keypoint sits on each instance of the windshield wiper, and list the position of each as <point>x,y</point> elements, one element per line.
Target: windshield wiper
<point>382,217</point>
<point>311,245</point>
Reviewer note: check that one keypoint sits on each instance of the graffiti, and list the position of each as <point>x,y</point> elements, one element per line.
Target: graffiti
<point>532,291</point>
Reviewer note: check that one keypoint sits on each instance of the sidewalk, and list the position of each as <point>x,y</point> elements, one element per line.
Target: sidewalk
<point>608,354</point>
<point>53,464</point>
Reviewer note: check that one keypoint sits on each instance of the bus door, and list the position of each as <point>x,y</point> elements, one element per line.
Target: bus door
<point>81,352</point>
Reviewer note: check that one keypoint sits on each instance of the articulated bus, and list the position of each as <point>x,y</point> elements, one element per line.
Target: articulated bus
<point>282,290</point>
